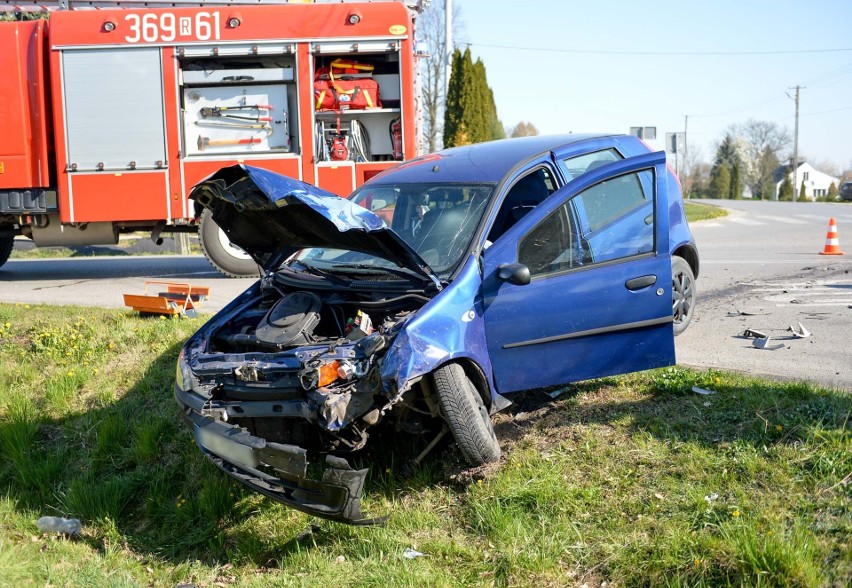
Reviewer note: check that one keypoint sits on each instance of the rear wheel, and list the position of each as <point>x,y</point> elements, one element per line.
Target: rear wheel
<point>6,246</point>
<point>226,257</point>
<point>466,415</point>
<point>683,294</point>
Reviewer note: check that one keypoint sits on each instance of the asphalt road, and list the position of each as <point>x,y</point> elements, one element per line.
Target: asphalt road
<point>763,259</point>
<point>761,269</point>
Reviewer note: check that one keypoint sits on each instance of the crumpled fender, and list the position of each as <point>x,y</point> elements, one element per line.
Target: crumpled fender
<point>447,328</point>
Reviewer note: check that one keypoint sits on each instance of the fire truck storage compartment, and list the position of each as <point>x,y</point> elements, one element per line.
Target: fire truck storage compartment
<point>114,111</point>
<point>238,104</point>
<point>376,142</point>
<point>233,119</point>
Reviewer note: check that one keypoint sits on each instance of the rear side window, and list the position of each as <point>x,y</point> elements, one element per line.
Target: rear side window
<point>581,164</point>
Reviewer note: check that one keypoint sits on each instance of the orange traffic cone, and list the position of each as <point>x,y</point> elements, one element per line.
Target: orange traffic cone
<point>832,243</point>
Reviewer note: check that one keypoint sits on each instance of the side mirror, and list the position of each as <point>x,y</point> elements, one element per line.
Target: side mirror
<point>514,273</point>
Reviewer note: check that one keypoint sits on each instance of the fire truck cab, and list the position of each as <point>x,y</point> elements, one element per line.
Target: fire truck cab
<point>111,111</point>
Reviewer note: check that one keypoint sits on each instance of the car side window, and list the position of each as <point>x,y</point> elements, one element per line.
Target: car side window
<point>581,164</point>
<point>610,220</point>
<point>528,192</point>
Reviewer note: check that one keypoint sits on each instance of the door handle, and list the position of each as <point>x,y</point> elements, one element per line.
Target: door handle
<point>640,282</point>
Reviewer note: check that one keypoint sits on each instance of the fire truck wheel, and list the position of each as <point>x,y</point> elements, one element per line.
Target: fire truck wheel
<point>225,257</point>
<point>6,245</point>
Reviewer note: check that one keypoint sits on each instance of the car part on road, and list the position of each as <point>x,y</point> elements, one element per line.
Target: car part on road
<point>683,294</point>
<point>802,333</point>
<point>6,246</point>
<point>752,334</point>
<point>466,414</point>
<point>226,257</point>
<point>764,344</point>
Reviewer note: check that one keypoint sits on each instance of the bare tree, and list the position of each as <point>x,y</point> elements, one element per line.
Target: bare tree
<point>431,31</point>
<point>827,166</point>
<point>692,166</point>
<point>762,145</point>
<point>522,129</point>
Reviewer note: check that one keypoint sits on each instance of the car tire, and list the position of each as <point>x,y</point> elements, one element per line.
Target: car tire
<point>466,414</point>
<point>683,294</point>
<point>217,248</point>
<point>6,246</point>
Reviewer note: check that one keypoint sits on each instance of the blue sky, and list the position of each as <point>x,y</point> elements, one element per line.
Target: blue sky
<point>561,91</point>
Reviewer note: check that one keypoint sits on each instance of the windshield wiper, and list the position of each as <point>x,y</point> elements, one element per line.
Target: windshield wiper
<point>312,269</point>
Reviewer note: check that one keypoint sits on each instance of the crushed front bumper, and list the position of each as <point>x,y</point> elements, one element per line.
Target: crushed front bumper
<point>336,496</point>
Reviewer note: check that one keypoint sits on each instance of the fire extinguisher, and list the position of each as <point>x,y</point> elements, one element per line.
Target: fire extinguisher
<point>396,138</point>
<point>339,150</point>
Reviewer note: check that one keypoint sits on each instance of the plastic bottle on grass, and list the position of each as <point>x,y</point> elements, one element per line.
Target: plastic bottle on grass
<point>59,525</point>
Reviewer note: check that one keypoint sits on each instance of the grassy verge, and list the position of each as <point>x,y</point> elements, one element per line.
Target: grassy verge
<point>697,212</point>
<point>631,480</point>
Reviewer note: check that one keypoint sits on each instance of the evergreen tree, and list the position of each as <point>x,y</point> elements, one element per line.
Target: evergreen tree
<point>720,182</point>
<point>470,115</point>
<point>785,190</point>
<point>736,182</point>
<point>766,168</point>
<point>832,192</point>
<point>802,194</point>
<point>727,158</point>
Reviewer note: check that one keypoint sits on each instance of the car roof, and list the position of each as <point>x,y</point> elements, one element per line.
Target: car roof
<point>480,162</point>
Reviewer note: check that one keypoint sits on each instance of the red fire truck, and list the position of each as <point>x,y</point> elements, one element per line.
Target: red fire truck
<point>111,111</point>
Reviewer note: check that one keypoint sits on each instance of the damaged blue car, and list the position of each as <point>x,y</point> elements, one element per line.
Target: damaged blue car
<point>433,294</point>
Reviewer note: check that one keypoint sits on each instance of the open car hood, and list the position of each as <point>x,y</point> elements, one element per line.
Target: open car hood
<point>271,216</point>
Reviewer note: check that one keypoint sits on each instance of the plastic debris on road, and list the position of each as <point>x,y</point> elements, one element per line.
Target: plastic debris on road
<point>801,333</point>
<point>764,344</point>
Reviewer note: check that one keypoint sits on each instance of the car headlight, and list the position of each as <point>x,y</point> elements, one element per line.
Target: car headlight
<point>183,374</point>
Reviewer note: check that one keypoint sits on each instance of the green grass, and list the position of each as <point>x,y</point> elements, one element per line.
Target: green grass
<point>633,480</point>
<point>697,212</point>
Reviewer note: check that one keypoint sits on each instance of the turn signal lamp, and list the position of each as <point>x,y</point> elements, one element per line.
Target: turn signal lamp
<point>328,373</point>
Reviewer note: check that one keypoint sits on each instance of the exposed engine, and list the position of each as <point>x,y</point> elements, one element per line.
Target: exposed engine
<point>304,367</point>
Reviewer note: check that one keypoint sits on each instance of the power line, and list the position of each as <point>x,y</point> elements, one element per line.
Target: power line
<point>659,53</point>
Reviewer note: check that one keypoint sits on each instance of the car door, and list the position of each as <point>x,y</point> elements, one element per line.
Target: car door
<point>598,300</point>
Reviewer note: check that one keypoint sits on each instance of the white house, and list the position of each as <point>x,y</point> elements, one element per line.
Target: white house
<point>816,182</point>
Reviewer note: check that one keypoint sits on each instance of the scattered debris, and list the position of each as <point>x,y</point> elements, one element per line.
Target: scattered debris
<point>737,312</point>
<point>340,559</point>
<point>711,497</point>
<point>801,333</point>
<point>71,527</point>
<point>702,391</point>
<point>559,392</point>
<point>410,553</point>
<point>708,404</point>
<point>763,343</point>
<point>754,334</point>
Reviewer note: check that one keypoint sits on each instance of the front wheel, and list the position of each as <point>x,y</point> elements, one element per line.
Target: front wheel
<point>6,246</point>
<point>466,415</point>
<point>683,294</point>
<point>225,257</point>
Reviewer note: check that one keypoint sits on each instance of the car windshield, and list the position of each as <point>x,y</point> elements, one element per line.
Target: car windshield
<point>436,220</point>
